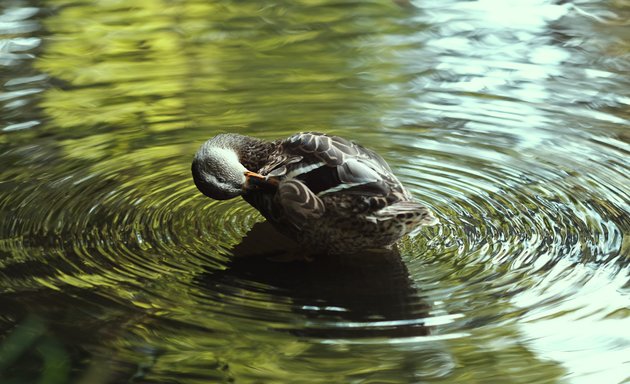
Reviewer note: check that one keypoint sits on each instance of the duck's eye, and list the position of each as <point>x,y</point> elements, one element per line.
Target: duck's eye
<point>221,179</point>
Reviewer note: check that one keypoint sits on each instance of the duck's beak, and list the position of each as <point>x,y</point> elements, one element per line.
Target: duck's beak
<point>255,180</point>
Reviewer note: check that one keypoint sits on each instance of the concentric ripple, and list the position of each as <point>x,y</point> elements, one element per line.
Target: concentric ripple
<point>513,130</point>
<point>112,223</point>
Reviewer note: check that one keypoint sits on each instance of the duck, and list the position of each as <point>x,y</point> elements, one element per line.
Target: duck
<point>327,193</point>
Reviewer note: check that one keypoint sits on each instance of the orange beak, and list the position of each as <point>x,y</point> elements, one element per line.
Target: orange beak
<point>255,180</point>
<point>258,176</point>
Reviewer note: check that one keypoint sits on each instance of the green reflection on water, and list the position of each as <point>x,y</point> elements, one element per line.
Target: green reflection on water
<point>209,66</point>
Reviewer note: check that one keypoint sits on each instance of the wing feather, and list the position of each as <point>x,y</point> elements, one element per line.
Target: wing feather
<point>299,202</point>
<point>330,164</point>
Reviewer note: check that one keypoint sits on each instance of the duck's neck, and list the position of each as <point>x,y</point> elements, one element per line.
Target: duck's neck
<point>253,153</point>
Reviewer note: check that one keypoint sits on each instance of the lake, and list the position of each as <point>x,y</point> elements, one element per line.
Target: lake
<point>510,121</point>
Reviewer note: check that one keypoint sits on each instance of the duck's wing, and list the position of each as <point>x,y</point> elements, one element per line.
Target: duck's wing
<point>300,204</point>
<point>327,164</point>
<point>332,150</point>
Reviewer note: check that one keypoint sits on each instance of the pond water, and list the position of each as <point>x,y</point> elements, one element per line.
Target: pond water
<point>511,122</point>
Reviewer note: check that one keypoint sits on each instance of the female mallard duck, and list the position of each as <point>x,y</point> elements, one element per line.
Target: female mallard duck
<point>328,193</point>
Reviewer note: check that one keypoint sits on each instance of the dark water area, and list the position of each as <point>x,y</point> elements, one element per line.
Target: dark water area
<point>510,121</point>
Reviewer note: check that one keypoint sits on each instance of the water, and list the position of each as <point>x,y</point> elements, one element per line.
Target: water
<point>509,121</point>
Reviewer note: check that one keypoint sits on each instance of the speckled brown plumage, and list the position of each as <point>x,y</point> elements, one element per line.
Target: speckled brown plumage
<point>331,194</point>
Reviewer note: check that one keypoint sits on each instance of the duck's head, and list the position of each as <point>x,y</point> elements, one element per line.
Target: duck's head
<point>216,169</point>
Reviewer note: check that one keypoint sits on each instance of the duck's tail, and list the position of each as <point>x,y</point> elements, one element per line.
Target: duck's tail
<point>411,213</point>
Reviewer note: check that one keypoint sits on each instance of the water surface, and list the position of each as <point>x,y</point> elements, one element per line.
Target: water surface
<point>510,122</point>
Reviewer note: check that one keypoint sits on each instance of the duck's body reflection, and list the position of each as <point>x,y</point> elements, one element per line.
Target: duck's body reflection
<point>369,294</point>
